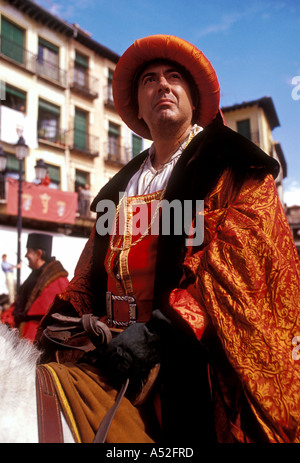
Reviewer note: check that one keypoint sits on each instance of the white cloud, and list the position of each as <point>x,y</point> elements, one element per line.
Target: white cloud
<point>225,24</point>
<point>251,12</point>
<point>65,9</point>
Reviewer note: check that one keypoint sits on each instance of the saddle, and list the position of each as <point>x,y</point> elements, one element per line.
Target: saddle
<point>73,337</point>
<point>82,334</point>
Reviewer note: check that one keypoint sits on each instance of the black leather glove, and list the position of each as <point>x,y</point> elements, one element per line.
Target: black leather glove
<point>136,350</point>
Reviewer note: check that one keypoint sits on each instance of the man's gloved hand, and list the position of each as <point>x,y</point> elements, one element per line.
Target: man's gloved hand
<point>136,350</point>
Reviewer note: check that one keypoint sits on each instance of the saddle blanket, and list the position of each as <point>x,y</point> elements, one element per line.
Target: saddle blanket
<point>85,398</point>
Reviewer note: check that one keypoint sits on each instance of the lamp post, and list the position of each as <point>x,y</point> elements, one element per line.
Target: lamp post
<point>3,160</point>
<point>40,169</point>
<point>21,154</point>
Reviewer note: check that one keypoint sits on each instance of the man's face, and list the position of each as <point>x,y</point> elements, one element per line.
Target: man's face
<point>164,95</point>
<point>33,257</point>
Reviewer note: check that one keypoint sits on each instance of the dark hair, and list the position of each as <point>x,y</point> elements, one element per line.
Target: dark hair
<point>44,256</point>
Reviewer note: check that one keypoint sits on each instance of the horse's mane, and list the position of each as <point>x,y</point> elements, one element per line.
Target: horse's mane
<point>16,352</point>
<point>18,404</point>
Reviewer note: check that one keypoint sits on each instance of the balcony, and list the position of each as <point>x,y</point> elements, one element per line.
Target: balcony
<point>84,84</point>
<point>108,97</point>
<point>50,71</point>
<point>50,135</point>
<point>116,154</point>
<point>11,51</point>
<point>83,143</point>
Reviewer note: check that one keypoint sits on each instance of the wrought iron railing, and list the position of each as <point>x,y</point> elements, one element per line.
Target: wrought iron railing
<point>50,133</point>
<point>14,52</point>
<point>108,96</point>
<point>84,83</point>
<point>33,63</point>
<point>51,71</point>
<point>116,153</point>
<point>83,142</point>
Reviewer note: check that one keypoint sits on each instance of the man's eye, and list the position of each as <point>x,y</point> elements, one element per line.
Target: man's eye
<point>148,79</point>
<point>175,75</point>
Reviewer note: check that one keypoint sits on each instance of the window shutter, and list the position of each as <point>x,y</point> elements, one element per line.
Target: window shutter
<point>81,60</point>
<point>12,41</point>
<point>80,135</point>
<point>136,145</point>
<point>49,107</point>
<point>243,127</point>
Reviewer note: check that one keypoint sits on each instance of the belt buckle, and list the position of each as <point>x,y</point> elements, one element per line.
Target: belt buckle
<point>132,310</point>
<point>109,310</point>
<point>110,298</point>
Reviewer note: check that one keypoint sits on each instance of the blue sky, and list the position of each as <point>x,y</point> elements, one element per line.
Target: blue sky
<point>253,46</point>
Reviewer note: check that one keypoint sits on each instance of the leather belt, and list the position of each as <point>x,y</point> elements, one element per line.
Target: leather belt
<point>48,408</point>
<point>127,307</point>
<point>103,429</point>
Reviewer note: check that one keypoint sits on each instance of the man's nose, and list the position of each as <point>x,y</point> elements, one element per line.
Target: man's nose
<point>163,85</point>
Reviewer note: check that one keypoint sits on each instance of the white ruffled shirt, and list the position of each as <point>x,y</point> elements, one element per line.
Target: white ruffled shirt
<point>149,180</point>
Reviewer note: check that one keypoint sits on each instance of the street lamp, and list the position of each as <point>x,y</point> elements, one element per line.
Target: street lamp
<point>40,169</point>
<point>3,160</point>
<point>21,153</point>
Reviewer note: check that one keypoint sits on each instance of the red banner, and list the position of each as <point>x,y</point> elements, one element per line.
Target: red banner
<point>42,203</point>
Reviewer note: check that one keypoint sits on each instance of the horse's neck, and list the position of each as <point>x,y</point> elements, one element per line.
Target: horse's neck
<point>18,416</point>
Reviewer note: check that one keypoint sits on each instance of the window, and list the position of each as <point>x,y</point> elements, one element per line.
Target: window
<point>137,145</point>
<point>114,141</point>
<point>81,179</point>
<point>12,166</point>
<point>14,98</point>
<point>12,41</point>
<point>80,129</point>
<point>110,98</point>
<point>81,66</point>
<point>48,59</point>
<point>243,127</point>
<point>48,121</point>
<point>12,170</point>
<point>54,174</point>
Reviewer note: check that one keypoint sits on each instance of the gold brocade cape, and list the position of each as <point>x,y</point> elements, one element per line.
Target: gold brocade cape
<point>247,283</point>
<point>238,293</point>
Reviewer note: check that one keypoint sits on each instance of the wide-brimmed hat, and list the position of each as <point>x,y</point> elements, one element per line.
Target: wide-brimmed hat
<point>170,48</point>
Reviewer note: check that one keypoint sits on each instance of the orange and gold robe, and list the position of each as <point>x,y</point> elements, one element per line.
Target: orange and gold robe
<point>247,283</point>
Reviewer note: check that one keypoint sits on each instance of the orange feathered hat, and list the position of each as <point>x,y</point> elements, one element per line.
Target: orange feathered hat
<point>173,49</point>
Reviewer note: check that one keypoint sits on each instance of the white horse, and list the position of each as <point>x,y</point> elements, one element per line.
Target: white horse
<point>18,404</point>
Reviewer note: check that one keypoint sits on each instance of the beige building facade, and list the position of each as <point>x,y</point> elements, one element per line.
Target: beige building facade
<point>56,91</point>
<point>256,120</point>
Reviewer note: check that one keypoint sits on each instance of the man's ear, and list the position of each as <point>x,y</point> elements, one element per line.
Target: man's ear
<point>39,253</point>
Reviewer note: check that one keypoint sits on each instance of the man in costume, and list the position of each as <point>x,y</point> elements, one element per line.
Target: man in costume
<point>47,279</point>
<point>218,317</point>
